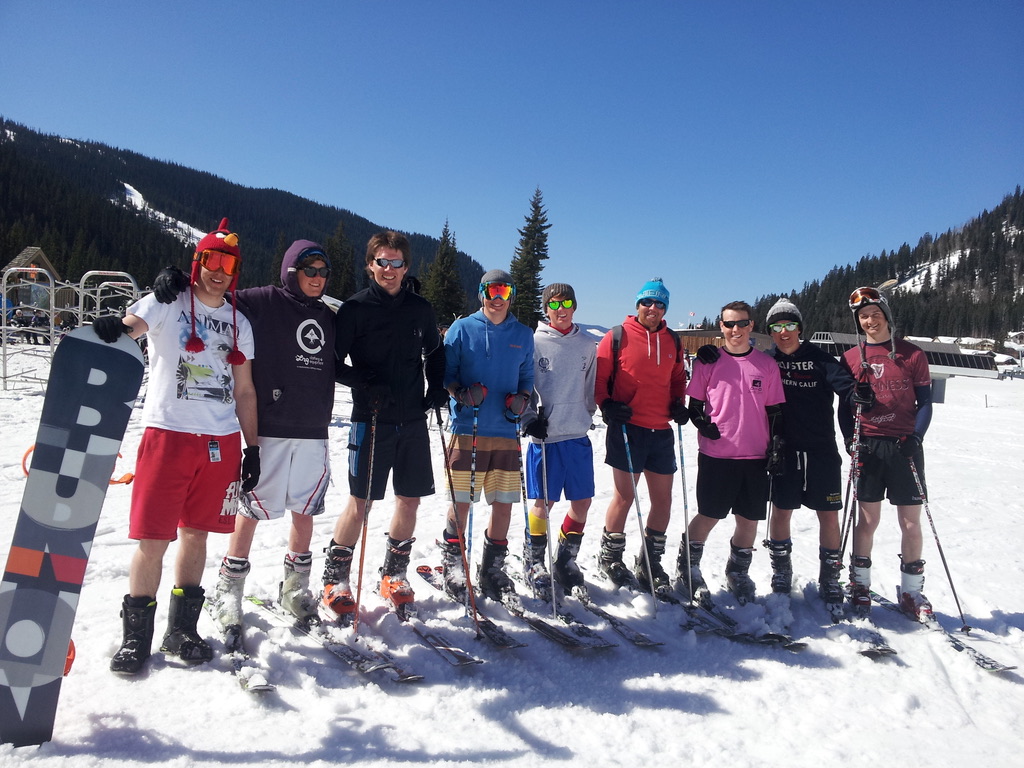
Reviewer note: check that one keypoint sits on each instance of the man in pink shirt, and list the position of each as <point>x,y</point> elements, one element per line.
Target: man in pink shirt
<point>734,404</point>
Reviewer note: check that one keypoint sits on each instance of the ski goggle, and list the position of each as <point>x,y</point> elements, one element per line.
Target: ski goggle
<point>864,296</point>
<point>652,303</point>
<point>734,323</point>
<point>315,271</point>
<point>501,291</point>
<point>556,303</point>
<point>780,327</point>
<point>393,263</point>
<point>228,263</point>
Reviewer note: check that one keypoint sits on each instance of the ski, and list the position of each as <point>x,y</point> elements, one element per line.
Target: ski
<point>984,662</point>
<point>860,629</point>
<point>365,661</point>
<point>494,634</point>
<point>706,614</point>
<point>450,653</point>
<point>244,668</point>
<point>625,630</point>
<point>580,637</point>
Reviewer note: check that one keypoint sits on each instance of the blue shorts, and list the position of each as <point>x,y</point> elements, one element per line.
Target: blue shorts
<point>651,450</point>
<point>811,478</point>
<point>570,468</point>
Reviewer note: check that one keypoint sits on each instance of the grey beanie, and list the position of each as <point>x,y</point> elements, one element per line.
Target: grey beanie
<point>784,310</point>
<point>558,289</point>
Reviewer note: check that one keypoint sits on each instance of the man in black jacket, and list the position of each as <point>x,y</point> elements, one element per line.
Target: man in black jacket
<point>389,334</point>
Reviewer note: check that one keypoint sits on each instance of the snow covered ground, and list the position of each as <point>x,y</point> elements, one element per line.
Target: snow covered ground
<point>697,700</point>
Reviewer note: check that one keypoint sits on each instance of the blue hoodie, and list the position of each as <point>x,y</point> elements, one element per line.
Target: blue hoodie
<point>498,356</point>
<point>293,369</point>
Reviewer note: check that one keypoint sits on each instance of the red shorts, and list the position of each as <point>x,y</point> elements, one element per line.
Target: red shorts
<point>179,485</point>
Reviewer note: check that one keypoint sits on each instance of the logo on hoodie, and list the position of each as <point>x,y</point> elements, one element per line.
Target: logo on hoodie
<point>310,337</point>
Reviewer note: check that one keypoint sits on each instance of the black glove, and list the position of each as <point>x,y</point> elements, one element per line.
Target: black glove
<point>471,396</point>
<point>910,445</point>
<point>678,411</point>
<point>864,396</point>
<point>169,282</point>
<point>379,395</point>
<point>614,413</point>
<point>109,328</point>
<point>537,428</point>
<point>700,420</point>
<point>250,468</point>
<point>516,402</point>
<point>776,459</point>
<point>708,354</point>
<point>436,397</point>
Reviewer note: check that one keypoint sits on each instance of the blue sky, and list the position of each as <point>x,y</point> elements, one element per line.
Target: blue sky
<point>735,149</point>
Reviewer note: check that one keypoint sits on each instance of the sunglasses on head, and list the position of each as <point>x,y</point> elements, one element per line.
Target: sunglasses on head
<point>315,271</point>
<point>556,303</point>
<point>735,323</point>
<point>780,327</point>
<point>652,303</point>
<point>393,263</point>
<point>864,296</point>
<point>501,291</point>
<point>228,263</point>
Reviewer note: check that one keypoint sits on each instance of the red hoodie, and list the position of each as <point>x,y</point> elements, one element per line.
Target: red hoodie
<point>649,376</point>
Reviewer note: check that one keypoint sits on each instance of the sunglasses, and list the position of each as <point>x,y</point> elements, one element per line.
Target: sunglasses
<point>567,303</point>
<point>393,263</point>
<point>214,260</point>
<point>780,327</point>
<point>734,323</point>
<point>315,271</point>
<point>497,291</point>
<point>652,303</point>
<point>863,296</point>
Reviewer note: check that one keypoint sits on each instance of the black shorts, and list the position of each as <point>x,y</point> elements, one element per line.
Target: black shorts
<point>813,479</point>
<point>402,448</point>
<point>736,485</point>
<point>886,473</point>
<point>653,450</point>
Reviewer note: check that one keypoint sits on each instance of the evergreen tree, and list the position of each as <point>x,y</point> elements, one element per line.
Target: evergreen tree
<point>442,285</point>
<point>528,262</point>
<point>343,264</point>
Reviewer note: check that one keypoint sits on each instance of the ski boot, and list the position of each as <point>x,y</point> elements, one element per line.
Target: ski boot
<point>828,582</point>
<point>860,586</point>
<point>912,601</point>
<point>613,545</point>
<point>691,583</point>
<point>394,584</point>
<point>535,555</point>
<point>182,638</point>
<point>453,573</point>
<point>737,576</point>
<point>337,597</point>
<point>492,580</point>
<point>227,593</point>
<point>137,615</point>
<point>567,570</point>
<point>782,566</point>
<point>294,594</point>
<point>655,544</point>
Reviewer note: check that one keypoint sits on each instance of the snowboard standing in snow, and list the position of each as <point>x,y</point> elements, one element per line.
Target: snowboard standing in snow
<point>89,399</point>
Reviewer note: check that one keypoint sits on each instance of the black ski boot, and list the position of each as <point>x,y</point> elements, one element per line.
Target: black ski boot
<point>535,557</point>
<point>782,566</point>
<point>694,588</point>
<point>613,545</point>
<point>567,570</point>
<point>492,580</point>
<point>655,545</point>
<point>737,574</point>
<point>452,567</point>
<point>137,615</point>
<point>182,638</point>
<point>829,588</point>
<point>337,597</point>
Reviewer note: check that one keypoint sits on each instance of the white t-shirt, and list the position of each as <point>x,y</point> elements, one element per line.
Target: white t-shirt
<point>191,391</point>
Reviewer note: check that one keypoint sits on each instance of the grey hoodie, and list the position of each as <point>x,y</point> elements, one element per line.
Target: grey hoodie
<point>564,374</point>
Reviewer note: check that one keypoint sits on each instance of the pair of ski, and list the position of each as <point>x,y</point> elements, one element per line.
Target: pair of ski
<point>243,666</point>
<point>929,621</point>
<point>877,648</point>
<point>703,616</point>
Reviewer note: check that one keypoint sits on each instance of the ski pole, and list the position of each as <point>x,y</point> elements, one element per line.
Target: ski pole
<point>366,519</point>
<point>942,555</point>
<point>686,512</point>
<point>458,526</point>
<point>547,511</point>
<point>640,518</point>
<point>850,511</point>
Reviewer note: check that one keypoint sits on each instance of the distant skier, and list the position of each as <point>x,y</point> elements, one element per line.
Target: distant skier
<point>891,437</point>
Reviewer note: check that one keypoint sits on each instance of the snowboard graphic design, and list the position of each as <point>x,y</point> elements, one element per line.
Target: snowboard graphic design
<point>89,398</point>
